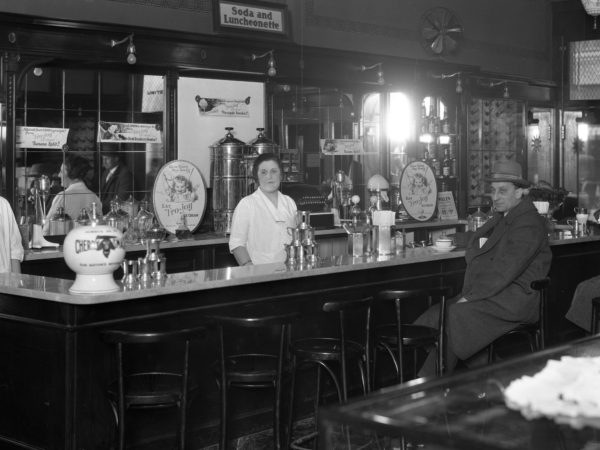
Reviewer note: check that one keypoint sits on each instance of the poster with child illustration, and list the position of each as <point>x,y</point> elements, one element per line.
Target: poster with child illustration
<point>179,196</point>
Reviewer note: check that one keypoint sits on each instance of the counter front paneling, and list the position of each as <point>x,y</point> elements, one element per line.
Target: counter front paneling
<point>52,390</point>
<point>56,367</point>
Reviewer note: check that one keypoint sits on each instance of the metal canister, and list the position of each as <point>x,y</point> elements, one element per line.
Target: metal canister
<point>60,223</point>
<point>261,144</point>
<point>228,179</point>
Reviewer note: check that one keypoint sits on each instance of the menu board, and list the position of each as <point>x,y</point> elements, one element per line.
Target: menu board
<point>418,190</point>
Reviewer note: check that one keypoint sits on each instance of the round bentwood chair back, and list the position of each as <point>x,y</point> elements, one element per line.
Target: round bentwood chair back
<point>536,332</point>
<point>150,388</point>
<point>252,369</point>
<point>333,355</point>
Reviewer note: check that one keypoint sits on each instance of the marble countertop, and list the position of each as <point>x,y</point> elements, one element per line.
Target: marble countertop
<point>57,290</point>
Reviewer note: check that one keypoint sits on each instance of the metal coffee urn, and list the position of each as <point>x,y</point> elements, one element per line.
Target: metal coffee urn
<point>257,147</point>
<point>228,179</point>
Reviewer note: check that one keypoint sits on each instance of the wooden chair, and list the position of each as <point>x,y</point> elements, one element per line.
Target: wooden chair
<point>333,354</point>
<point>151,388</point>
<point>254,369</point>
<point>536,332</point>
<point>394,339</point>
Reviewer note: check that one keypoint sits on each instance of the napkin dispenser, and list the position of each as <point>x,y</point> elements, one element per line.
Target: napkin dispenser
<point>321,220</point>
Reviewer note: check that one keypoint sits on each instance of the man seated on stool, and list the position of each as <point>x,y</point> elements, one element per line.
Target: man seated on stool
<point>503,257</point>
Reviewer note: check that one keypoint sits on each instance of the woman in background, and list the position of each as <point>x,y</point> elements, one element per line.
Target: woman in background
<point>76,194</point>
<point>259,227</point>
<point>11,248</point>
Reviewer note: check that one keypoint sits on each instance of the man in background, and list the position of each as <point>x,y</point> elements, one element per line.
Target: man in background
<point>116,180</point>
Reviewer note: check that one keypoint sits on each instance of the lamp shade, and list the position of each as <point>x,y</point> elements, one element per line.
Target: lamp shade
<point>377,183</point>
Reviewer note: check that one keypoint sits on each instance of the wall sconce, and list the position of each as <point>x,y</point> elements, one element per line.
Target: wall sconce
<point>443,76</point>
<point>131,58</point>
<point>271,70</point>
<point>592,7</point>
<point>380,79</point>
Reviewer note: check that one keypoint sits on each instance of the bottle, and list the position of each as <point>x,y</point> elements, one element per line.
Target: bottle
<point>143,220</point>
<point>113,218</point>
<point>182,231</point>
<point>446,164</point>
<point>453,162</point>
<point>95,218</point>
<point>435,164</point>
<point>83,219</point>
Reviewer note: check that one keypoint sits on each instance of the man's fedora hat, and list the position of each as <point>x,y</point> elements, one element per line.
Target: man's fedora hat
<point>508,171</point>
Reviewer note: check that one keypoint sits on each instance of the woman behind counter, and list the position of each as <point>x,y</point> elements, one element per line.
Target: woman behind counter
<point>76,194</point>
<point>259,227</point>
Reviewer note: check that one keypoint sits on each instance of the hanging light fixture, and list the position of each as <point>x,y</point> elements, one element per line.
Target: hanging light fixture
<point>271,69</point>
<point>592,7</point>
<point>131,58</point>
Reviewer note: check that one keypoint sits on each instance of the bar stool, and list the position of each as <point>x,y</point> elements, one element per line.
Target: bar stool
<point>328,352</point>
<point>255,370</point>
<point>150,388</point>
<point>394,339</point>
<point>535,333</point>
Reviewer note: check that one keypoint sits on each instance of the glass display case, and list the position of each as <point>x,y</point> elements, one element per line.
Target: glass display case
<point>463,411</point>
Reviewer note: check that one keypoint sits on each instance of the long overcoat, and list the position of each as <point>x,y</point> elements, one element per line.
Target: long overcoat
<point>497,280</point>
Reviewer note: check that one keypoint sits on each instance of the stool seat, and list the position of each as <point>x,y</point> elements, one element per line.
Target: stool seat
<point>151,389</point>
<point>413,335</point>
<point>325,349</point>
<point>251,369</point>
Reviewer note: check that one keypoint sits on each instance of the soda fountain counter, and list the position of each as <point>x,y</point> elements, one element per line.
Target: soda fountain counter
<point>470,410</point>
<point>56,367</point>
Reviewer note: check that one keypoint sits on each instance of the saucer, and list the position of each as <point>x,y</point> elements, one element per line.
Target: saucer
<point>443,249</point>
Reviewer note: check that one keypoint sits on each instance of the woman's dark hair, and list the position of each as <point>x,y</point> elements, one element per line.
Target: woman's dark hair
<point>261,159</point>
<point>76,166</point>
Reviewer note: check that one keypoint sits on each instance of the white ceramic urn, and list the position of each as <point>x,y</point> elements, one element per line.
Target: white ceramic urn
<point>94,253</point>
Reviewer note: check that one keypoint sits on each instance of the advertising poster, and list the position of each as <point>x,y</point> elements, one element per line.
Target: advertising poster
<point>146,133</point>
<point>179,196</point>
<point>41,137</point>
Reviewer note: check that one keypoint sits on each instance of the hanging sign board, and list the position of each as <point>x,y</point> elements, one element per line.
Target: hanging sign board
<point>342,146</point>
<point>252,16</point>
<point>179,191</point>
<point>418,190</point>
<point>41,137</point>
<point>119,132</point>
<point>446,206</point>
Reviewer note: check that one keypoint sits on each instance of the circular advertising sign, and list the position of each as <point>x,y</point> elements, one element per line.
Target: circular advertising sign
<point>179,196</point>
<point>418,190</point>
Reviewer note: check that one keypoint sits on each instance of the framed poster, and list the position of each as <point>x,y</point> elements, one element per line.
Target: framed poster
<point>179,196</point>
<point>418,190</point>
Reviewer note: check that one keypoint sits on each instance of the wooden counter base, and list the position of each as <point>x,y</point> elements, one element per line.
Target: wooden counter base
<point>52,388</point>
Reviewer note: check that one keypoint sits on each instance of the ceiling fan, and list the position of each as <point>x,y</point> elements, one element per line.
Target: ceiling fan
<point>440,31</point>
